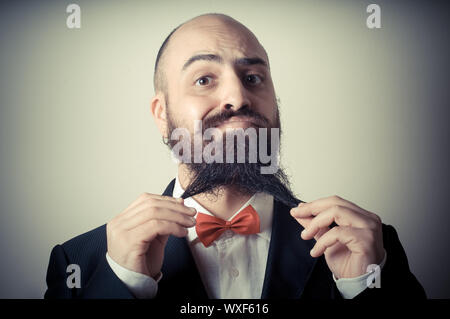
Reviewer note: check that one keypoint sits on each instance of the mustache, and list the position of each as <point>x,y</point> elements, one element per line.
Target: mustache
<point>217,119</point>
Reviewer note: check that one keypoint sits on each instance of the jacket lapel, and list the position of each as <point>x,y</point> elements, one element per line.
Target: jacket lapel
<point>180,275</point>
<point>289,263</point>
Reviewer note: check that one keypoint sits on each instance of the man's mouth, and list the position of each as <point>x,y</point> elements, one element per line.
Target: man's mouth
<point>240,122</point>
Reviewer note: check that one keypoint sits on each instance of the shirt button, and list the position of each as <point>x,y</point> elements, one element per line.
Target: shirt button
<point>234,272</point>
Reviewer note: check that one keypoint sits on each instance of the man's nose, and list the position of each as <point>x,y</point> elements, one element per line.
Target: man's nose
<point>235,95</point>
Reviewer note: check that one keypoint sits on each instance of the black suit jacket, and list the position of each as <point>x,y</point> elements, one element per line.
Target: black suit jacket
<point>291,272</point>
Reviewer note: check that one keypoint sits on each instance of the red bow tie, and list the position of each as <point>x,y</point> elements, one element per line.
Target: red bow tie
<point>209,228</point>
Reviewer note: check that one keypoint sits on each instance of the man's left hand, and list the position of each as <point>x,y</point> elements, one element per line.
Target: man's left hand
<point>349,247</point>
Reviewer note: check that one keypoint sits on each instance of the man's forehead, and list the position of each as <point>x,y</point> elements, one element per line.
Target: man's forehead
<point>211,35</point>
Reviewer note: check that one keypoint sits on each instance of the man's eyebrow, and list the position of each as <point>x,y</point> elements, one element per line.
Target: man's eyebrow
<point>218,59</point>
<point>202,57</point>
<point>251,61</point>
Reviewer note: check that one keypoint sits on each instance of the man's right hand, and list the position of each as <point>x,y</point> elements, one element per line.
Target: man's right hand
<point>137,236</point>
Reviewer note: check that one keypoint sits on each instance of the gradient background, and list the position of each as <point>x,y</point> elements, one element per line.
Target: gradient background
<point>365,116</point>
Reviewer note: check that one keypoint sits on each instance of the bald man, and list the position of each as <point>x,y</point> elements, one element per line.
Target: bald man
<point>225,229</point>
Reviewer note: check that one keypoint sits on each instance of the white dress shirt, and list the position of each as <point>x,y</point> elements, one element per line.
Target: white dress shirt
<point>234,265</point>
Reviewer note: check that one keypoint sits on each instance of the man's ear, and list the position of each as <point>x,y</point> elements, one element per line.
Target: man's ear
<point>158,109</point>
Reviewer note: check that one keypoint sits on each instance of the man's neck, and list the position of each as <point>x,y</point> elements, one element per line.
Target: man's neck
<point>225,205</point>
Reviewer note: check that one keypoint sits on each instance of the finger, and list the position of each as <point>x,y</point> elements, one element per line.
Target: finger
<point>160,213</point>
<point>155,204</point>
<point>177,206</point>
<point>321,232</point>
<point>342,216</point>
<point>317,206</point>
<point>305,222</point>
<point>146,232</point>
<point>145,197</point>
<point>348,236</point>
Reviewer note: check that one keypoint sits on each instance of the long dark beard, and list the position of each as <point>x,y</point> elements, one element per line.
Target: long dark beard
<point>243,178</point>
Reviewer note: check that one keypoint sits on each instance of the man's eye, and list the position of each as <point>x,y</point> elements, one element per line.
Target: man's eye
<point>253,79</point>
<point>203,81</point>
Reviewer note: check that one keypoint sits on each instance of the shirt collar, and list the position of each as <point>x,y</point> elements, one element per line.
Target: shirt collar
<point>261,202</point>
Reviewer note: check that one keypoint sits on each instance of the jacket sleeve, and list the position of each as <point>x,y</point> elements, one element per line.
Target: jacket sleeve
<point>396,279</point>
<point>98,281</point>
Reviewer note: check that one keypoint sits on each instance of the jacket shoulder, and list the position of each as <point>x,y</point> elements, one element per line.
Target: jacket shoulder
<point>86,246</point>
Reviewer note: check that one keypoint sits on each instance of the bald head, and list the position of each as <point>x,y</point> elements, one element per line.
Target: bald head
<point>220,24</point>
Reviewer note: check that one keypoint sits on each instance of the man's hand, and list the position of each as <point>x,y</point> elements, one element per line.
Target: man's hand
<point>349,247</point>
<point>137,236</point>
